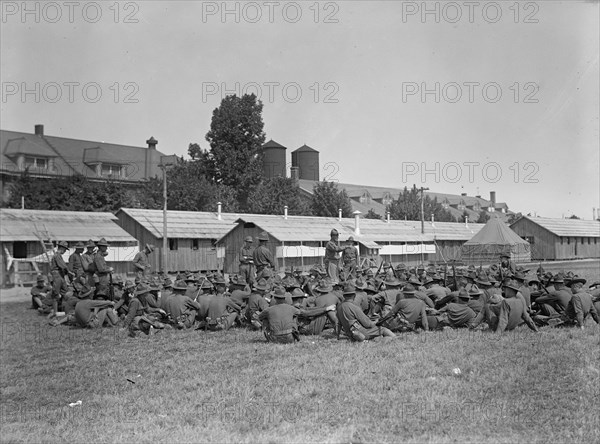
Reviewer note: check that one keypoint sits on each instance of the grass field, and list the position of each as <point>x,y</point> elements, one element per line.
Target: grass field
<point>233,387</point>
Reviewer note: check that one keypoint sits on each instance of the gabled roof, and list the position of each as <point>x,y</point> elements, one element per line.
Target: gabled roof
<point>567,227</point>
<point>305,147</point>
<point>74,156</point>
<point>22,225</point>
<point>183,224</point>
<point>272,144</point>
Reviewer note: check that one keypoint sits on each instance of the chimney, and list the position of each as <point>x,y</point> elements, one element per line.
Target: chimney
<point>357,222</point>
<point>152,142</point>
<point>467,221</point>
<point>432,218</point>
<point>493,198</point>
<point>463,194</point>
<point>295,174</point>
<point>219,205</point>
<point>387,216</point>
<point>39,130</point>
<point>478,196</point>
<point>340,214</point>
<point>594,212</point>
<point>285,210</point>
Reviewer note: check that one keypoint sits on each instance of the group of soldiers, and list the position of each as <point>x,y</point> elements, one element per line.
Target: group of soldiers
<point>344,300</point>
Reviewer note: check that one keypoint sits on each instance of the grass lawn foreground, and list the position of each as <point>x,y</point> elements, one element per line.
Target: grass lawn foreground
<point>191,386</point>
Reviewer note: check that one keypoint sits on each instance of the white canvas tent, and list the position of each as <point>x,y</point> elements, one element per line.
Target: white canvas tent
<point>494,239</point>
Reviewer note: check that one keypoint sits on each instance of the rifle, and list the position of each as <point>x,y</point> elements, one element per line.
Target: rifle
<point>111,290</point>
<point>454,275</point>
<point>199,289</point>
<point>445,272</point>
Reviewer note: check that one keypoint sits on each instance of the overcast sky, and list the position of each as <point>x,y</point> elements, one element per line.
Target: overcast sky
<point>516,108</point>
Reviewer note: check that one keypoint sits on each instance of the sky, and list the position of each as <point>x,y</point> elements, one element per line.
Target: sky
<point>458,97</point>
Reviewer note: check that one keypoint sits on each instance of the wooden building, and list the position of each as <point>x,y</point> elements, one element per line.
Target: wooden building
<point>295,241</point>
<point>558,239</point>
<point>22,233</point>
<point>192,237</point>
<point>299,241</point>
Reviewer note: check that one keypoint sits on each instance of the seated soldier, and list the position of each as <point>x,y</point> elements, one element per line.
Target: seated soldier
<point>326,298</point>
<point>81,290</point>
<point>580,307</point>
<point>355,324</point>
<point>142,314</point>
<point>41,296</point>
<point>408,313</point>
<point>458,314</point>
<point>181,309</point>
<point>122,305</point>
<point>512,313</point>
<point>280,320</point>
<point>95,313</point>
<point>256,304</point>
<point>434,289</point>
<point>222,311</point>
<point>555,303</point>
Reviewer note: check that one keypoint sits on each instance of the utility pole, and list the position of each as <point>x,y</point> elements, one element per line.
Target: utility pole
<point>165,162</point>
<point>422,211</point>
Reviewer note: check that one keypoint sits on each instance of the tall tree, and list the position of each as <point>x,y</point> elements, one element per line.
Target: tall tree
<point>483,217</point>
<point>327,199</point>
<point>372,215</point>
<point>271,195</point>
<point>408,206</point>
<point>236,136</point>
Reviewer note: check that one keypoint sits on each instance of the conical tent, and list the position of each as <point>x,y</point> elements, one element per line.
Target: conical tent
<point>494,239</point>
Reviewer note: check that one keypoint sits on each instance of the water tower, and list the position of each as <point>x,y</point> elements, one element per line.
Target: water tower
<point>273,159</point>
<point>307,161</point>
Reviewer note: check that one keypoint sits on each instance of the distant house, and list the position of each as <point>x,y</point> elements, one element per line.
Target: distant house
<point>557,239</point>
<point>54,157</point>
<point>23,231</point>
<point>192,237</point>
<point>366,197</point>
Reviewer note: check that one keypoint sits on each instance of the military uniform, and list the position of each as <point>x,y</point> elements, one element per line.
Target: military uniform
<point>87,262</point>
<point>247,261</point>
<point>76,262</point>
<point>103,271</point>
<point>141,262</point>
<point>262,256</point>
<point>94,314</point>
<point>59,271</point>
<point>349,259</point>
<point>355,324</point>
<point>332,257</point>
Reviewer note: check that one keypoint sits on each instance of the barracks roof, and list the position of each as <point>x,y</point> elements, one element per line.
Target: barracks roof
<point>22,225</point>
<point>567,227</point>
<point>183,224</point>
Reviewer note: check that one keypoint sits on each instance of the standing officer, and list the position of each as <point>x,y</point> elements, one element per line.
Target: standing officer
<point>350,257</point>
<point>262,256</point>
<point>102,269</point>
<point>247,261</point>
<point>75,261</point>
<point>332,258</point>
<point>87,262</point>
<point>59,271</point>
<point>141,263</point>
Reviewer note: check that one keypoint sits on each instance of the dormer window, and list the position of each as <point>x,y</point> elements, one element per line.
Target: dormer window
<point>40,163</point>
<point>112,170</point>
<point>461,205</point>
